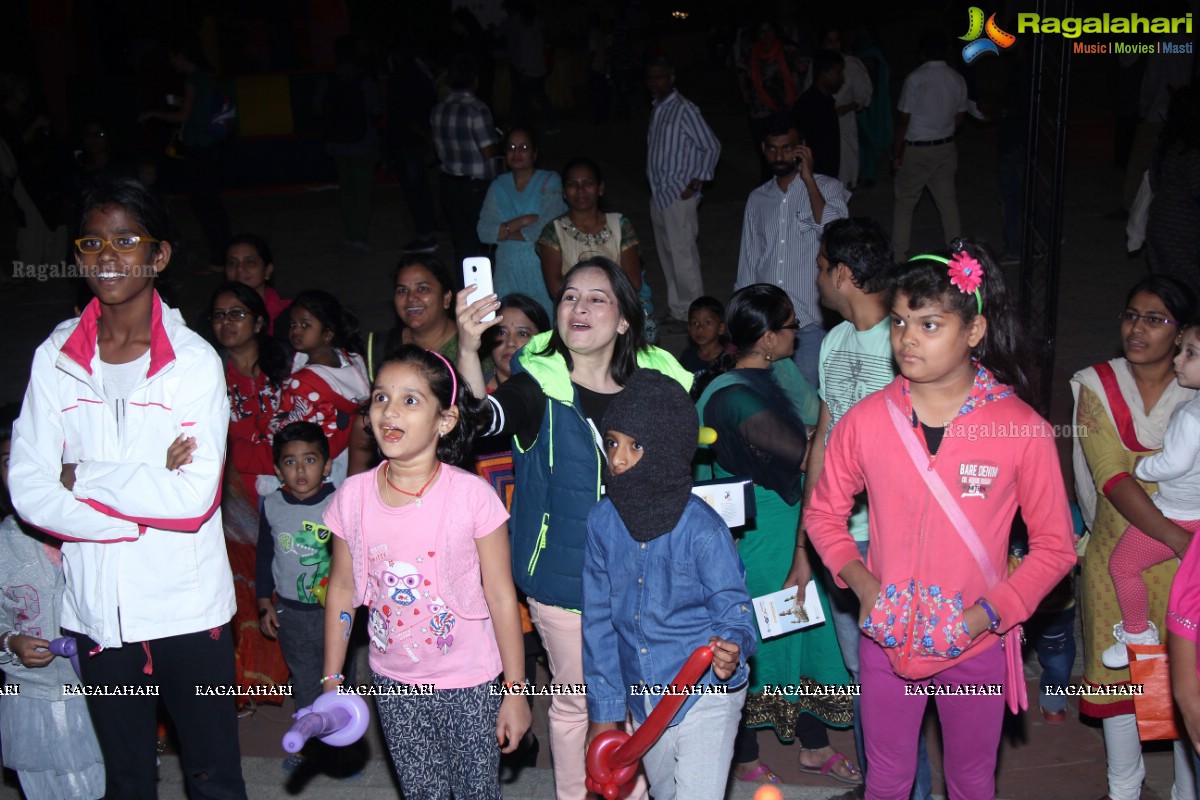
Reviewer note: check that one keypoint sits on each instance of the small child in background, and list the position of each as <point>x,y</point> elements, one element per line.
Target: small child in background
<point>661,574</point>
<point>293,560</point>
<point>706,334</point>
<point>1177,471</point>
<point>35,723</point>
<point>329,378</point>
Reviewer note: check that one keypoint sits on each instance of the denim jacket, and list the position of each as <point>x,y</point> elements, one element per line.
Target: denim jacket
<point>558,478</point>
<point>648,605</point>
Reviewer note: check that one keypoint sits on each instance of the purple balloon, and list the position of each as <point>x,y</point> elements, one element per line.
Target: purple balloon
<point>336,719</point>
<point>67,648</point>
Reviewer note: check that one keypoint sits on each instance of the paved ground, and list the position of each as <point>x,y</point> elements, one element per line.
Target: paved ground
<point>1038,761</point>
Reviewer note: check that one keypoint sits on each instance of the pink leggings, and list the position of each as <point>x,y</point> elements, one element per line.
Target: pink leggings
<point>562,636</point>
<point>892,723</point>
<point>1134,553</point>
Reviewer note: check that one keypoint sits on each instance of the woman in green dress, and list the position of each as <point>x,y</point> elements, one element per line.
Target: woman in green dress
<point>762,410</point>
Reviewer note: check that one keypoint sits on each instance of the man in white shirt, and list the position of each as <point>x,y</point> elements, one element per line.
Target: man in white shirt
<point>932,104</point>
<point>852,97</point>
<point>781,232</point>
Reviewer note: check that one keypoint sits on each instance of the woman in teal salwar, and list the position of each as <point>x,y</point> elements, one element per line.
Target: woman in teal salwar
<point>761,409</point>
<point>518,205</point>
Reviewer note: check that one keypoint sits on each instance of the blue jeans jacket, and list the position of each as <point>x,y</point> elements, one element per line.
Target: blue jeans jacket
<point>648,605</point>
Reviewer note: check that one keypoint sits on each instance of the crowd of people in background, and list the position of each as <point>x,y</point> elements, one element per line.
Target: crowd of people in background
<point>504,483</point>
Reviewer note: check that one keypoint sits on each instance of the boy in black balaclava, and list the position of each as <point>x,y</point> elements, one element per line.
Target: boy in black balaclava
<point>661,577</point>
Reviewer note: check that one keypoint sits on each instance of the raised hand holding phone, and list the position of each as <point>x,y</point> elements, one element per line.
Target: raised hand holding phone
<point>803,160</point>
<point>477,272</point>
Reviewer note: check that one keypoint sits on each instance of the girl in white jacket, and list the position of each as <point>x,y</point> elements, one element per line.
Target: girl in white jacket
<point>149,591</point>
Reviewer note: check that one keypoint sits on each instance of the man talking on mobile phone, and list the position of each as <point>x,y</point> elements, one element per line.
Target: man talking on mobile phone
<point>781,232</point>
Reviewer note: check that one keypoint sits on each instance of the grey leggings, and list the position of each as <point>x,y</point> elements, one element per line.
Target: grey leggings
<point>443,743</point>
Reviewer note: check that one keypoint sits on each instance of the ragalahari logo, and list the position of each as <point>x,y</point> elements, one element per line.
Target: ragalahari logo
<point>996,40</point>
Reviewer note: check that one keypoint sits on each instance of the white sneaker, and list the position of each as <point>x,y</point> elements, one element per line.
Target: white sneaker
<point>1117,656</point>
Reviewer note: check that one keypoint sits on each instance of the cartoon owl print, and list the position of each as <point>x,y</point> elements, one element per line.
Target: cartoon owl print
<point>399,581</point>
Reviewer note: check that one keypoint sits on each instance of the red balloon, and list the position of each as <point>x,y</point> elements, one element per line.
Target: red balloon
<point>613,756</point>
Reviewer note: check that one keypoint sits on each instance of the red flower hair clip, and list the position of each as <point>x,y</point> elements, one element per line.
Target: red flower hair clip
<point>966,273</point>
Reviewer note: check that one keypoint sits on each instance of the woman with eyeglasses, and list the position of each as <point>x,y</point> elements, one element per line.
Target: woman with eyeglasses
<point>1122,407</point>
<point>255,367</point>
<point>763,412</point>
<point>119,451</point>
<point>518,205</point>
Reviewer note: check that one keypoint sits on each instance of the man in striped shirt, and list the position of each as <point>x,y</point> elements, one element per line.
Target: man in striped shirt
<point>781,232</point>
<point>682,154</point>
<point>465,139</point>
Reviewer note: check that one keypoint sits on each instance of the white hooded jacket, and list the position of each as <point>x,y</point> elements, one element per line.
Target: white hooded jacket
<point>144,551</point>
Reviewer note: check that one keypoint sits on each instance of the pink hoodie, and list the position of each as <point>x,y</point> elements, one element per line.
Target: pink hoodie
<point>996,455</point>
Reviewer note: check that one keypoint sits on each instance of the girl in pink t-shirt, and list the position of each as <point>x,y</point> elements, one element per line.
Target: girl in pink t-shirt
<point>424,545</point>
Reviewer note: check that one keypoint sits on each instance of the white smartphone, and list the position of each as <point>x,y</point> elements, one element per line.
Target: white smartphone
<point>478,271</point>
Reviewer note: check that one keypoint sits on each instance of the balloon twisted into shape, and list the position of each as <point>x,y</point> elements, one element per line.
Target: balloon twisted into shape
<point>613,756</point>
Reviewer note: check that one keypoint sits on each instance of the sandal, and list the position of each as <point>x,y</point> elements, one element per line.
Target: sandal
<point>760,774</point>
<point>827,769</point>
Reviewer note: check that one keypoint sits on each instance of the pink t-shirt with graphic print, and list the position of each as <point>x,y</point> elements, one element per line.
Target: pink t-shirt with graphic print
<point>414,637</point>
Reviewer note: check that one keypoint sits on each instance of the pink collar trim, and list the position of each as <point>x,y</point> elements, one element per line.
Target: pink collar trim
<point>80,346</point>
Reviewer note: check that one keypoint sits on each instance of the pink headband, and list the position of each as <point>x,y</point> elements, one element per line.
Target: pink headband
<point>453,376</point>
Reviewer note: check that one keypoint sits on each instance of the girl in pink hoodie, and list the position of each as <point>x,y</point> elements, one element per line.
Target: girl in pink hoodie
<point>946,454</point>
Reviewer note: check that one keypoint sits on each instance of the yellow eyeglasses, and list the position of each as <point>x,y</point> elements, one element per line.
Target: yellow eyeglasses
<point>91,245</point>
